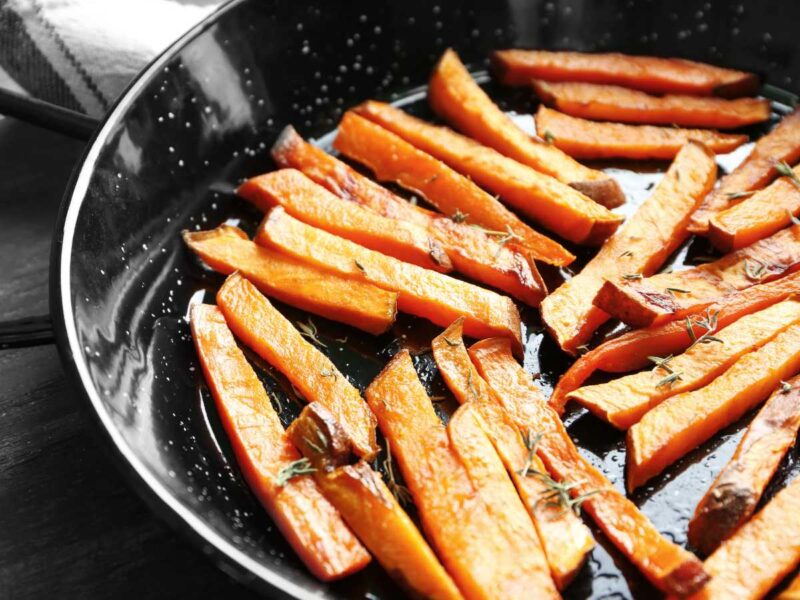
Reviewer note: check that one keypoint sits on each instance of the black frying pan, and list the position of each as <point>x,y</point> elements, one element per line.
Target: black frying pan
<point>203,116</point>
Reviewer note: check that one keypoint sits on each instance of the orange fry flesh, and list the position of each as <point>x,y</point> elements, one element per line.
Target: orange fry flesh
<point>630,351</point>
<point>556,206</point>
<point>310,524</point>
<point>477,255</point>
<point>623,401</point>
<point>472,538</point>
<point>261,327</point>
<point>424,293</point>
<point>669,296</point>
<point>647,73</point>
<point>614,103</point>
<point>313,204</point>
<point>565,540</point>
<point>593,139</point>
<point>732,498</point>
<point>683,422</point>
<point>636,248</point>
<point>766,549</point>
<point>668,566</point>
<point>762,214</point>
<point>456,97</point>
<point>393,159</point>
<point>368,506</point>
<point>756,171</point>
<point>227,249</point>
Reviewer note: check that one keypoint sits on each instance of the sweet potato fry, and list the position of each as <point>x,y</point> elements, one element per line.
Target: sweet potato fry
<point>456,97</point>
<point>261,327</point>
<point>566,541</point>
<point>669,296</point>
<point>631,350</point>
<point>227,249</point>
<point>624,105</point>
<point>473,253</point>
<point>313,204</point>
<point>368,506</point>
<point>558,207</point>
<point>307,520</point>
<point>762,214</point>
<point>756,171</point>
<point>637,247</point>
<point>393,159</point>
<point>732,498</point>
<point>472,538</point>
<point>749,564</point>
<point>424,293</point>
<point>646,73</point>
<point>592,139</point>
<point>622,402</point>
<point>685,421</point>
<point>668,566</point>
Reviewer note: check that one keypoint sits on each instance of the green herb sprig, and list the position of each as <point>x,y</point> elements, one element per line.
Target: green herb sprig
<point>301,466</point>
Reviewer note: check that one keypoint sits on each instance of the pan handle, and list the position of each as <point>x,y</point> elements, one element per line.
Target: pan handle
<point>38,330</point>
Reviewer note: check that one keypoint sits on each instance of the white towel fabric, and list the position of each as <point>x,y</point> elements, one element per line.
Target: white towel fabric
<point>82,53</point>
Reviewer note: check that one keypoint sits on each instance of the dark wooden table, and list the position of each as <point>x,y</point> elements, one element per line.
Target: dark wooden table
<point>70,526</point>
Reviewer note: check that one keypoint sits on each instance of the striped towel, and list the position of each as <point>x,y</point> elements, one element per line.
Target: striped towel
<point>81,54</point>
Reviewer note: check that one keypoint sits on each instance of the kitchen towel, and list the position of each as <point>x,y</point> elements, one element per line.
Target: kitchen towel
<point>81,54</point>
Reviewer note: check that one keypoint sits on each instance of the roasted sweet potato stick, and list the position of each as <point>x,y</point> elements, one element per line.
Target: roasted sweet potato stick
<point>473,541</point>
<point>668,296</point>
<point>313,204</point>
<point>756,171</point>
<point>638,247</point>
<point>668,566</point>
<point>631,350</point>
<point>765,550</point>
<point>762,214</point>
<point>261,327</point>
<point>558,207</point>
<point>227,249</point>
<point>592,139</point>
<point>623,401</point>
<point>456,97</point>
<point>393,159</point>
<point>685,421</point>
<point>646,73</point>
<point>307,520</point>
<point>424,293</point>
<point>732,498</point>
<point>624,105</point>
<point>369,507</point>
<point>473,253</point>
<point>489,477</point>
<point>565,540</point>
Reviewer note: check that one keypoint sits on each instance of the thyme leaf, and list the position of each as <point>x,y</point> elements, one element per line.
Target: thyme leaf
<point>399,491</point>
<point>754,269</point>
<point>707,322</point>
<point>633,277</point>
<point>737,195</point>
<point>786,387</point>
<point>328,373</point>
<point>661,363</point>
<point>626,253</point>
<point>673,290</point>
<point>450,342</point>
<point>793,218</point>
<point>301,466</point>
<point>309,330</point>
<point>669,379</point>
<point>531,440</point>
<point>359,266</point>
<point>548,136</point>
<point>459,217</point>
<point>784,170</point>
